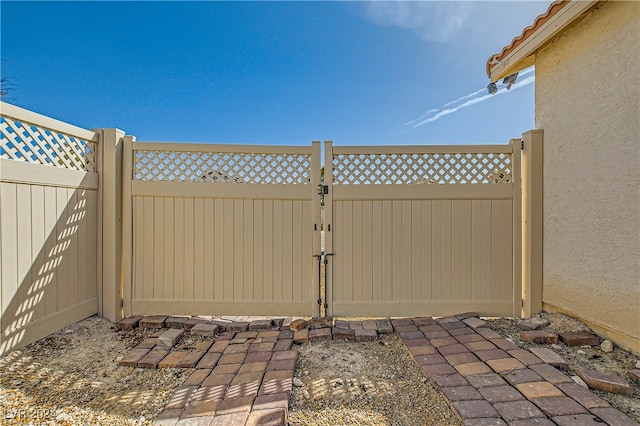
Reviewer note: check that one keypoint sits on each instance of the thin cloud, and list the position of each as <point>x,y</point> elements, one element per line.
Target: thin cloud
<point>444,111</point>
<point>470,95</point>
<point>433,21</point>
<point>423,116</point>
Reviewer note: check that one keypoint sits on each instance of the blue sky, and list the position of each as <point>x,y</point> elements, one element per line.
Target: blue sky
<point>358,73</point>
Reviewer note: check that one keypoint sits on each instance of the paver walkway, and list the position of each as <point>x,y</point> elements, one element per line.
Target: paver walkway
<point>246,378</point>
<point>489,380</point>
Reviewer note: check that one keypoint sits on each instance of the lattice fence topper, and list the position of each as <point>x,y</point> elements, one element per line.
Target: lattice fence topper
<point>31,143</point>
<point>458,168</point>
<point>215,167</point>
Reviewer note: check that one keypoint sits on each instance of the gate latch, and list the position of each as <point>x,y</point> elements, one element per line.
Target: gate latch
<point>323,189</point>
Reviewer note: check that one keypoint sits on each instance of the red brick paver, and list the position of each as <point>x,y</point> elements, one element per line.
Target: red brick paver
<point>246,376</point>
<point>489,380</point>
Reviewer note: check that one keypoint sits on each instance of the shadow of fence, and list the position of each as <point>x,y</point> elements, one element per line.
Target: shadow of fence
<point>49,260</point>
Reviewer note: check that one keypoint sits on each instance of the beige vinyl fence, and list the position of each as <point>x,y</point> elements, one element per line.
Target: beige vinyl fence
<point>425,230</point>
<point>95,222</point>
<point>223,229</point>
<point>48,226</point>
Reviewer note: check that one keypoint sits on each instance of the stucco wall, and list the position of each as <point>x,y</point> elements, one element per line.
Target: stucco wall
<point>588,104</point>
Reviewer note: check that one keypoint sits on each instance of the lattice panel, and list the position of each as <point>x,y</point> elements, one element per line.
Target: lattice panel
<point>408,169</point>
<point>222,167</point>
<point>34,144</point>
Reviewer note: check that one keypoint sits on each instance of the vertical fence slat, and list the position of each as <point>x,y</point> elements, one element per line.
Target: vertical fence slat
<point>466,253</point>
<point>268,250</point>
<point>367,251</point>
<point>9,241</point>
<point>446,250</point>
<point>377,257</point>
<point>147,244</point>
<point>62,261</point>
<point>247,246</point>
<point>287,253</point>
<point>387,250</point>
<point>72,235</point>
<point>189,249</point>
<point>199,249</point>
<point>50,218</point>
<point>156,215</point>
<point>456,250</point>
<point>219,251</point>
<point>427,257</point>
<point>278,250</point>
<point>436,250</point>
<point>209,250</point>
<point>357,249</point>
<point>297,248</point>
<point>168,288</point>
<point>38,259</point>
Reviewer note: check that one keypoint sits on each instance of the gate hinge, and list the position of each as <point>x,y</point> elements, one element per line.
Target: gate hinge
<point>522,144</point>
<point>323,189</point>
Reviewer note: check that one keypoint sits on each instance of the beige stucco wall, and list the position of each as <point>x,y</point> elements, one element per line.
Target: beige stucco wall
<point>588,104</point>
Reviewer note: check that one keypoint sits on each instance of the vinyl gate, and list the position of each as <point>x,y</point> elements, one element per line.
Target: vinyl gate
<point>221,229</point>
<point>426,230</point>
<point>236,230</point>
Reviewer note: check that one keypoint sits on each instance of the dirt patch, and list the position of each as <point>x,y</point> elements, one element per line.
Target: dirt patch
<point>618,362</point>
<point>372,383</point>
<point>72,377</point>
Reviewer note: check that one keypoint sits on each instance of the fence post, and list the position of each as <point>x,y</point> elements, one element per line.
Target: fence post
<point>532,200</point>
<point>328,220</point>
<point>317,224</point>
<point>127,223</point>
<point>516,173</point>
<point>110,224</point>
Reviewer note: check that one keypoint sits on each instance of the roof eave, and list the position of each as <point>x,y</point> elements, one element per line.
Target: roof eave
<point>523,55</point>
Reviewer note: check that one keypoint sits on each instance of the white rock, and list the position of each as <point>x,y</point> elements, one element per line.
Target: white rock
<point>606,346</point>
<point>63,417</point>
<point>579,381</point>
<point>297,382</point>
<point>638,364</point>
<point>581,352</point>
<point>69,331</point>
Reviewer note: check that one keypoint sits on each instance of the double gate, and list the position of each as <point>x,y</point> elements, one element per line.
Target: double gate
<point>237,230</point>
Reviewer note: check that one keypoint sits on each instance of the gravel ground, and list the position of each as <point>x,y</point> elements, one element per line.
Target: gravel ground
<point>617,362</point>
<point>72,378</point>
<point>372,383</point>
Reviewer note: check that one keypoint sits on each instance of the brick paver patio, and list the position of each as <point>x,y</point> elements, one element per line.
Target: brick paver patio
<point>244,376</point>
<point>490,381</point>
